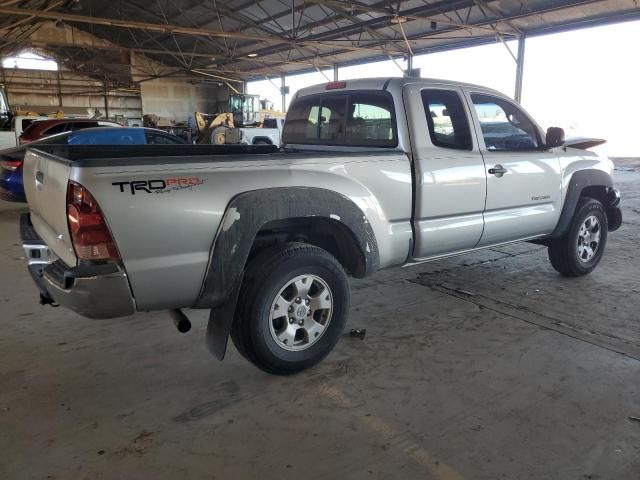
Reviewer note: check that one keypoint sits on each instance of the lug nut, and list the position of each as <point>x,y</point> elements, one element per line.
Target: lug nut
<point>291,320</point>
<point>291,308</point>
<point>298,300</point>
<point>306,301</point>
<point>301,322</point>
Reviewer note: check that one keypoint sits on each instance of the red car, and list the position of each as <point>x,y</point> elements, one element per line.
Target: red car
<point>44,128</point>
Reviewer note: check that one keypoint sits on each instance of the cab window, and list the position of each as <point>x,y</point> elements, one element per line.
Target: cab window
<point>370,120</point>
<point>270,123</point>
<point>331,120</point>
<point>504,126</point>
<point>302,121</point>
<point>447,119</point>
<point>363,119</point>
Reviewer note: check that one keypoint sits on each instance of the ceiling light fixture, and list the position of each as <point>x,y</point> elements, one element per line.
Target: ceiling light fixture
<point>252,55</point>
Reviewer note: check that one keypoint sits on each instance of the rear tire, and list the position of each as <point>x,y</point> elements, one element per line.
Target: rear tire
<point>292,308</point>
<point>580,250</point>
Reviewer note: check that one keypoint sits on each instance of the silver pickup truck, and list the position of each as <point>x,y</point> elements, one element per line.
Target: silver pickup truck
<point>374,174</point>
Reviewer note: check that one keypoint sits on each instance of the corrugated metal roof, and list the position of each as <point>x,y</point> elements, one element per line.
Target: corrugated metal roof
<point>243,40</point>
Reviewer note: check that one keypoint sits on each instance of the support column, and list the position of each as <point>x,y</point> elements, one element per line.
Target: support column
<point>519,69</point>
<point>59,89</point>
<point>409,70</point>
<point>106,99</point>
<point>335,72</point>
<point>283,91</point>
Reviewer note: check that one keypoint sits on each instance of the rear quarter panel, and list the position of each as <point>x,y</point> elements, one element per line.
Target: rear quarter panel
<point>165,238</point>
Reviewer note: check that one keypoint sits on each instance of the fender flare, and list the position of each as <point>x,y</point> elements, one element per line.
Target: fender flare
<point>579,181</point>
<point>244,217</point>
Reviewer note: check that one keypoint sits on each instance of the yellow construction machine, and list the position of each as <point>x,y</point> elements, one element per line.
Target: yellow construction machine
<point>240,110</point>
<point>213,129</point>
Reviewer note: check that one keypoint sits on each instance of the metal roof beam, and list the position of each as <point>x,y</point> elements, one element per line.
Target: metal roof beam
<point>168,28</point>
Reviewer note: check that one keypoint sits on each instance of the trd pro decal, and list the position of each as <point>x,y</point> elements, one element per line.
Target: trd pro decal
<point>158,185</point>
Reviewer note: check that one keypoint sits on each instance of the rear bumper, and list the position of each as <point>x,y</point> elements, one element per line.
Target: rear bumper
<point>91,290</point>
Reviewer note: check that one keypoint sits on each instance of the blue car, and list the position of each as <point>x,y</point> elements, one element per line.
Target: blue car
<point>11,159</point>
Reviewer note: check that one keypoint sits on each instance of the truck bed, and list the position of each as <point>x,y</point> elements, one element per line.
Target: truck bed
<point>94,155</point>
<point>164,204</point>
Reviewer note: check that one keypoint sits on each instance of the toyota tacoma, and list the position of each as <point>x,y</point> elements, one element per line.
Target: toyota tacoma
<point>374,174</point>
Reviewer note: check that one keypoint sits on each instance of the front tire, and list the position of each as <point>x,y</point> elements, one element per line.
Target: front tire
<point>219,135</point>
<point>580,250</point>
<point>292,308</point>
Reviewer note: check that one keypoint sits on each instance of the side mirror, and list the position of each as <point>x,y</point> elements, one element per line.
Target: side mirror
<point>555,137</point>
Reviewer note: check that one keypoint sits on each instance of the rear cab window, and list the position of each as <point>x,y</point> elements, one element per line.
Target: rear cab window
<point>270,123</point>
<point>352,118</point>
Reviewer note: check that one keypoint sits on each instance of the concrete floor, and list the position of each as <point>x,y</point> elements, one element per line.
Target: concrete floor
<point>489,366</point>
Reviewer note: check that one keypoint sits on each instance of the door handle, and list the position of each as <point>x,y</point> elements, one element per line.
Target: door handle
<point>498,171</point>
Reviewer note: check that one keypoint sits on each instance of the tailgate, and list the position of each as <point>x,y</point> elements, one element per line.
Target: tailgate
<point>45,178</point>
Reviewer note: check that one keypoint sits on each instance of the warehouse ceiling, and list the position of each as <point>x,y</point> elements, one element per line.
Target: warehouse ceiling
<point>236,40</point>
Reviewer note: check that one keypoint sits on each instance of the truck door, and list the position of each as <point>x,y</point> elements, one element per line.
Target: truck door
<point>450,183</point>
<point>523,177</point>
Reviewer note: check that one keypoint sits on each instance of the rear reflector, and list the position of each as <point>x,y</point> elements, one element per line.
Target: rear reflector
<point>90,235</point>
<point>11,165</point>
<point>335,85</point>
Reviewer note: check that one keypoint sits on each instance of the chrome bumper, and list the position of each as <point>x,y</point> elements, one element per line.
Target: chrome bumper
<point>91,290</point>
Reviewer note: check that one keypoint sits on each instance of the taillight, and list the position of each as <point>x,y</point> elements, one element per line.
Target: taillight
<point>11,165</point>
<point>90,235</point>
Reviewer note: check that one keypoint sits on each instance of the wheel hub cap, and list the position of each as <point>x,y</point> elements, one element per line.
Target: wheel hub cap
<point>301,312</point>
<point>588,238</point>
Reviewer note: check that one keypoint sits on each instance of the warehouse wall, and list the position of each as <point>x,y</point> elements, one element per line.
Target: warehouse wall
<point>49,91</point>
<point>174,97</point>
<point>177,99</point>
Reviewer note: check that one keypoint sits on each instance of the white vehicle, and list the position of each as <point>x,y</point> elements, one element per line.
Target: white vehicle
<point>268,134</point>
<point>9,136</point>
<point>11,128</point>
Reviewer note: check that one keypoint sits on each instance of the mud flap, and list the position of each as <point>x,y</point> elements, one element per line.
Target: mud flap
<point>219,326</point>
